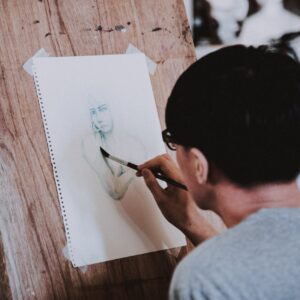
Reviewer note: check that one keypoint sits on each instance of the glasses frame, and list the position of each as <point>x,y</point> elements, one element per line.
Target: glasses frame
<point>168,140</point>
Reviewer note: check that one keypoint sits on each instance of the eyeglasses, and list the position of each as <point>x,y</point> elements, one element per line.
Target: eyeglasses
<point>167,138</point>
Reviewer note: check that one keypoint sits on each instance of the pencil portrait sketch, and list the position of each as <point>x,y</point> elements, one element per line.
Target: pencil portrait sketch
<point>114,178</point>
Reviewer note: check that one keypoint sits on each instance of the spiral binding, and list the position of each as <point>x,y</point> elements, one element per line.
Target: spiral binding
<point>56,176</point>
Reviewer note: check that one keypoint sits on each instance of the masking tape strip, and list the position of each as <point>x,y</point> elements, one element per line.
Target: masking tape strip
<point>28,64</point>
<point>66,255</point>
<point>150,63</point>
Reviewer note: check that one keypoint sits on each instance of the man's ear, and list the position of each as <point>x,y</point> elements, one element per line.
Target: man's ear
<point>199,164</point>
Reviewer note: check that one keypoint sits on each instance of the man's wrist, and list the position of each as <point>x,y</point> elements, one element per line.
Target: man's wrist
<point>197,229</point>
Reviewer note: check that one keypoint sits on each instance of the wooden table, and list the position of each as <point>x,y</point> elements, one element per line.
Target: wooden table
<point>32,265</point>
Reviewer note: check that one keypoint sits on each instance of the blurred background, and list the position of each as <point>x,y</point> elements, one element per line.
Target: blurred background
<point>216,23</point>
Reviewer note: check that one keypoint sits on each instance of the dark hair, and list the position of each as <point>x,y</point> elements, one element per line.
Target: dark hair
<point>284,44</point>
<point>241,107</point>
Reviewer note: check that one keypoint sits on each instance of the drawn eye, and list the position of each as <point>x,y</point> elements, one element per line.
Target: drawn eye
<point>102,108</point>
<point>93,111</point>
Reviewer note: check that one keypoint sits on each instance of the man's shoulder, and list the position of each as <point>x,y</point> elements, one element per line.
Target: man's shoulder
<point>259,231</point>
<point>206,262</point>
<point>229,260</point>
<point>209,257</point>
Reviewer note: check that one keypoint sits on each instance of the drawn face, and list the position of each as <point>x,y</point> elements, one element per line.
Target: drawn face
<point>101,118</point>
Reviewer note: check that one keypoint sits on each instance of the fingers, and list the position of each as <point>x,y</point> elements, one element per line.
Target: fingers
<point>162,163</point>
<point>155,162</point>
<point>152,183</point>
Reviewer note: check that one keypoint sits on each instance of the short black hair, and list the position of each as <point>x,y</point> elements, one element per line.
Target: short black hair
<point>241,107</point>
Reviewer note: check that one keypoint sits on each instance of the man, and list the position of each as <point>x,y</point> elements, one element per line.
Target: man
<point>234,119</point>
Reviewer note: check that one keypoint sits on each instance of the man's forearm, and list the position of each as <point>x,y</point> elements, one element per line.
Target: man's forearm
<point>198,230</point>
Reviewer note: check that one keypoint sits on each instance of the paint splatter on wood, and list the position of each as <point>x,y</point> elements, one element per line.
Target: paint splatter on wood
<point>120,28</point>
<point>156,29</point>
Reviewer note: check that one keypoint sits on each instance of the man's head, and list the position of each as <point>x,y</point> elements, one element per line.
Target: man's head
<point>237,110</point>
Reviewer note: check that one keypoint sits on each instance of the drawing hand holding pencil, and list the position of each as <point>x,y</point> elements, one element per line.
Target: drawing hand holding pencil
<point>135,167</point>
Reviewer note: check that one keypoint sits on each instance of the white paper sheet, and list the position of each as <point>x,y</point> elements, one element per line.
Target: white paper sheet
<point>107,101</point>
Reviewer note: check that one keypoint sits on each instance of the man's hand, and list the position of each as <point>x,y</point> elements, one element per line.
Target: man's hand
<point>176,204</point>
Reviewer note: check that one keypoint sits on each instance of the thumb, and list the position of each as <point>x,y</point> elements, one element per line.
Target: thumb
<point>151,182</point>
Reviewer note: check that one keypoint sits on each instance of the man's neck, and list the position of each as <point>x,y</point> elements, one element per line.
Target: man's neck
<point>234,204</point>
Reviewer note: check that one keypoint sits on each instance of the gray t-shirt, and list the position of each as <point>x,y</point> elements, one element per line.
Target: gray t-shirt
<point>257,259</point>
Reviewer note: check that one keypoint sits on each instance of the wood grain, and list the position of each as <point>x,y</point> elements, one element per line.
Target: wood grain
<point>32,265</point>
